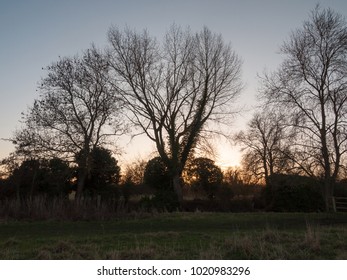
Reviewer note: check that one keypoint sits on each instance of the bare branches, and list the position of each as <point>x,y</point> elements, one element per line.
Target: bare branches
<point>78,110</point>
<point>173,90</point>
<point>311,84</point>
<point>267,145</point>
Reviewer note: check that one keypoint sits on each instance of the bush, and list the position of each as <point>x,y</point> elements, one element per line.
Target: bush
<point>162,201</point>
<point>156,174</point>
<point>241,204</point>
<point>202,173</point>
<point>293,193</point>
<point>7,190</point>
<point>341,188</point>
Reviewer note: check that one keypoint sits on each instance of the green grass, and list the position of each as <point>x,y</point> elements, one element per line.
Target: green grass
<point>181,236</point>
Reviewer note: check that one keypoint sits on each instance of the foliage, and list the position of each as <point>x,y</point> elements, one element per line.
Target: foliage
<point>104,173</point>
<point>162,201</point>
<point>233,176</point>
<point>56,178</point>
<point>294,193</point>
<point>340,189</point>
<point>203,173</point>
<point>134,172</point>
<point>33,177</point>
<point>157,174</point>
<point>7,190</point>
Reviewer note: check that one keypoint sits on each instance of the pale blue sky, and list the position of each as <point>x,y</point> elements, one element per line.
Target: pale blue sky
<point>34,33</point>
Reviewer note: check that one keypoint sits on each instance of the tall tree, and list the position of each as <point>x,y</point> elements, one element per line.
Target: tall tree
<point>77,110</point>
<point>176,88</point>
<point>311,84</point>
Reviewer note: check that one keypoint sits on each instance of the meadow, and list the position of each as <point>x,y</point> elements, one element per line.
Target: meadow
<point>180,235</point>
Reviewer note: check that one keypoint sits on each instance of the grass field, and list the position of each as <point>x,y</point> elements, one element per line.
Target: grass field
<point>181,236</point>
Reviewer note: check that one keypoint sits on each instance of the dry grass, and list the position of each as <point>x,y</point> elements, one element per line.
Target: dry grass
<point>180,236</point>
<point>312,237</point>
<point>42,208</point>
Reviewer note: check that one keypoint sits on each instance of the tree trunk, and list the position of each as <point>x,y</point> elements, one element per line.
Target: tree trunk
<point>328,180</point>
<point>328,193</point>
<point>82,176</point>
<point>83,170</point>
<point>176,180</point>
<point>32,186</point>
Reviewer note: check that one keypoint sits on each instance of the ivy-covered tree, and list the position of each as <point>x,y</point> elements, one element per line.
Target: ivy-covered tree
<point>175,90</point>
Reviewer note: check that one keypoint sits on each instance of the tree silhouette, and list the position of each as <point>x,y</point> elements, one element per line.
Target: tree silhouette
<point>174,90</point>
<point>156,174</point>
<point>267,145</point>
<point>204,174</point>
<point>78,110</point>
<point>104,171</point>
<point>41,177</point>
<point>134,172</point>
<point>311,87</point>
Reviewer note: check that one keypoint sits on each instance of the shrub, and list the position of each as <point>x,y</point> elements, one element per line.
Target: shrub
<point>156,174</point>
<point>162,201</point>
<point>294,193</point>
<point>341,188</point>
<point>202,173</point>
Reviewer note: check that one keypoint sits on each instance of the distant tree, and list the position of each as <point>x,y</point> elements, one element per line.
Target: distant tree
<point>266,145</point>
<point>134,172</point>
<point>157,174</point>
<point>233,176</point>
<point>176,89</point>
<point>310,85</point>
<point>9,164</point>
<point>104,171</point>
<point>78,110</point>
<point>56,176</point>
<point>25,178</point>
<point>204,174</point>
<point>33,177</point>
<point>7,190</point>
<point>294,193</point>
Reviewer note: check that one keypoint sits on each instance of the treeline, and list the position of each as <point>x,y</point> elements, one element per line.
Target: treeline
<point>145,187</point>
<point>205,186</point>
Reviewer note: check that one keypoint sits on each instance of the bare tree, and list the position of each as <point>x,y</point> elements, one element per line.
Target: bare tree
<point>134,172</point>
<point>311,85</point>
<point>176,88</point>
<point>77,111</point>
<point>266,144</point>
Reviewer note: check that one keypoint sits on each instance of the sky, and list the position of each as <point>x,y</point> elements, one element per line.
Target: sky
<point>34,33</point>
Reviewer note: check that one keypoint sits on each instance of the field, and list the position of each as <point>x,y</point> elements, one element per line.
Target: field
<point>180,236</point>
